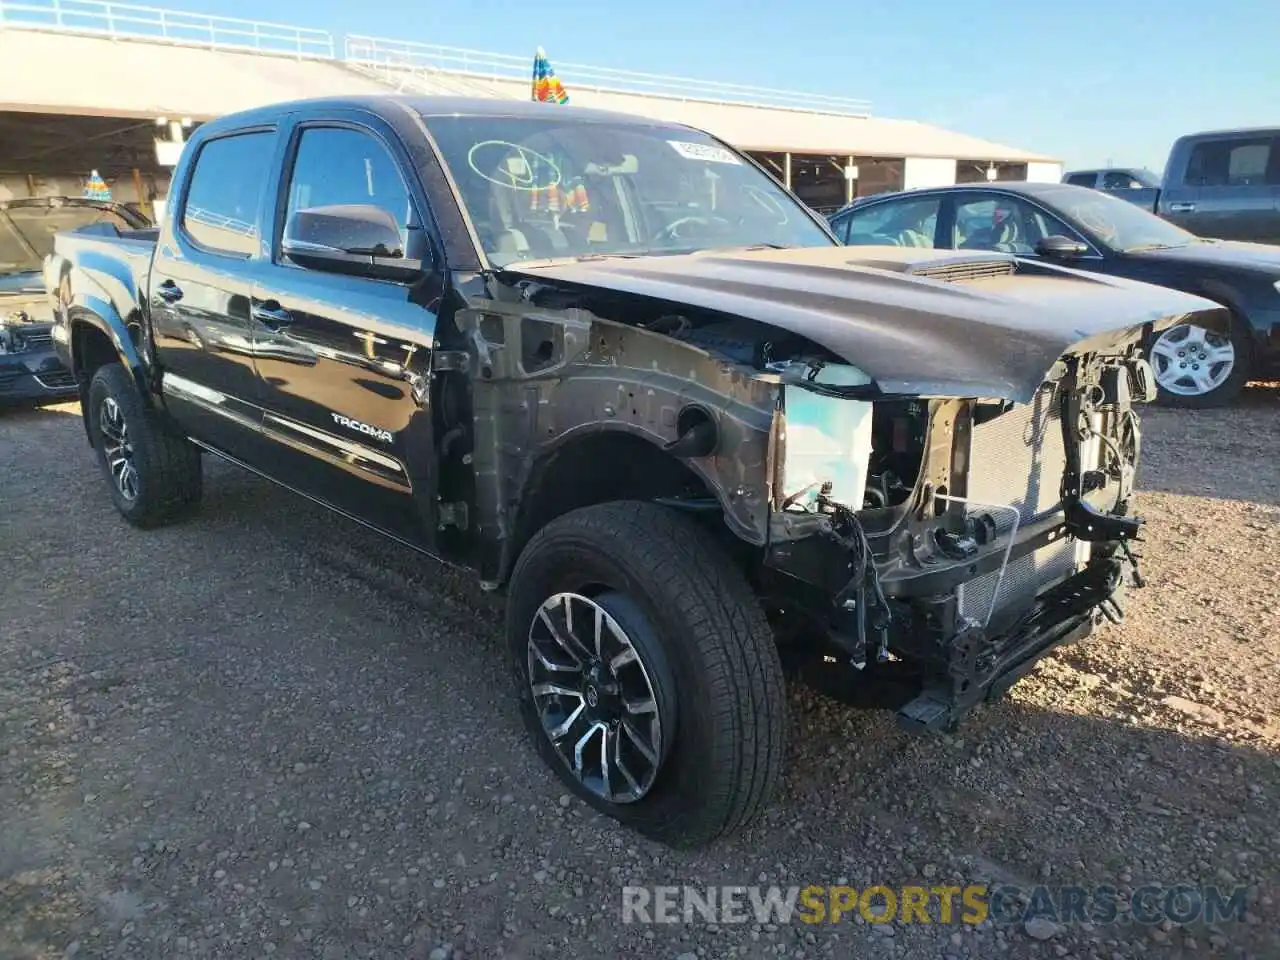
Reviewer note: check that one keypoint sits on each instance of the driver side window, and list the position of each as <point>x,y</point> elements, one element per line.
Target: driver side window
<point>902,223</point>
<point>340,166</point>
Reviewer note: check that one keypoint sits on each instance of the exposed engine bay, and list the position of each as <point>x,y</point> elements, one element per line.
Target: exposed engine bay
<point>986,529</point>
<point>29,367</point>
<point>19,331</point>
<point>929,474</point>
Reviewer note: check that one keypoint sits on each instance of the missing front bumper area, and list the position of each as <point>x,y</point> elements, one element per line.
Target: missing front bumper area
<point>978,664</point>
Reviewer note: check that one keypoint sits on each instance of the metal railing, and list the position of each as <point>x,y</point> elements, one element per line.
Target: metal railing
<point>242,227</point>
<point>390,57</point>
<point>401,72</point>
<point>404,64</point>
<point>102,18</point>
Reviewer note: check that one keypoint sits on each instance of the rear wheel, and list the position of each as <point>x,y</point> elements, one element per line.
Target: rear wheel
<point>647,672</point>
<point>1196,367</point>
<point>154,475</point>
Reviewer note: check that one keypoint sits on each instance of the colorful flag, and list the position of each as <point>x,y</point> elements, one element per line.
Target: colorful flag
<point>96,188</point>
<point>547,87</point>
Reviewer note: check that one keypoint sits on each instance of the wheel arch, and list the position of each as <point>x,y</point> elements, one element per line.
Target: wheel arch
<point>98,335</point>
<point>567,474</point>
<point>1237,314</point>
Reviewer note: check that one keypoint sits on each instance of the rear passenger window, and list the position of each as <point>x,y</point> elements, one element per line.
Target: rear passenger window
<point>899,223</point>
<point>1082,179</point>
<point>1230,163</point>
<point>221,211</point>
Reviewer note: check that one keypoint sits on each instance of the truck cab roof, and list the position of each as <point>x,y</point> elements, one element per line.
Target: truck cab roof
<point>390,106</point>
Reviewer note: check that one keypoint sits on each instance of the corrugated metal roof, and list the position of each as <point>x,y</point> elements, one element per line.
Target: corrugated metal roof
<point>144,79</point>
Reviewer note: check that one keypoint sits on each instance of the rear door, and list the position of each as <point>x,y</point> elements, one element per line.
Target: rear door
<point>344,360</point>
<point>1229,190</point>
<point>201,284</point>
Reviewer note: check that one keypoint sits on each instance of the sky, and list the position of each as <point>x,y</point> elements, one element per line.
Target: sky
<point>1089,82</point>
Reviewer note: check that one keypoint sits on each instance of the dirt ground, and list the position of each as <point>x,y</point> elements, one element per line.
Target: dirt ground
<point>266,732</point>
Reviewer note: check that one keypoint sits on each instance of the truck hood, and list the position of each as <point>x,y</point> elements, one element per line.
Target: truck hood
<point>916,321</point>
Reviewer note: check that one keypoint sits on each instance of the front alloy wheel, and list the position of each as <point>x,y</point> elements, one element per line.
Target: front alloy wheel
<point>116,448</point>
<point>594,695</point>
<point>648,675</point>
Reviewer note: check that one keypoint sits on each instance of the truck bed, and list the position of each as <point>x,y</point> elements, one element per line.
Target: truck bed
<point>104,263</point>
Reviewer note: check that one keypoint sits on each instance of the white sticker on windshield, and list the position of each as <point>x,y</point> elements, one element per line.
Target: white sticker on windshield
<point>703,151</point>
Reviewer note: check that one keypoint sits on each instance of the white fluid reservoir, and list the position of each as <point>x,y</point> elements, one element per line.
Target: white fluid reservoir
<point>828,440</point>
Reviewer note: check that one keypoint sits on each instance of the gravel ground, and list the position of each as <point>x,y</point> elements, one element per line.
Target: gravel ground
<point>251,736</point>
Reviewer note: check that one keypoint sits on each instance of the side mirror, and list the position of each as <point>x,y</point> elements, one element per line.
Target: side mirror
<point>353,238</point>
<point>1061,248</point>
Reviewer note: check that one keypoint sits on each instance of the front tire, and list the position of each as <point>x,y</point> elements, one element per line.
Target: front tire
<point>1198,368</point>
<point>647,672</point>
<point>154,475</point>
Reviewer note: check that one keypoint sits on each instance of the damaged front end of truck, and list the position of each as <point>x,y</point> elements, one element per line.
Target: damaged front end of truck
<point>926,460</point>
<point>959,539</point>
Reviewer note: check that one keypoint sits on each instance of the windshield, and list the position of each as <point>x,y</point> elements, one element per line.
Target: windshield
<point>540,188</point>
<point>1118,223</point>
<point>26,233</point>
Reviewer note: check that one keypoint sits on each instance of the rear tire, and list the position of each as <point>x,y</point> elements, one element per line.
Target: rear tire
<point>707,660</point>
<point>154,474</point>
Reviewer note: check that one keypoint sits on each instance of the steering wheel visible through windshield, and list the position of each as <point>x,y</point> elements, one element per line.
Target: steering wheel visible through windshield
<point>541,188</point>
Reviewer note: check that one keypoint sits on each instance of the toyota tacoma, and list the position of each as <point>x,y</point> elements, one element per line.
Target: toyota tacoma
<point>614,368</point>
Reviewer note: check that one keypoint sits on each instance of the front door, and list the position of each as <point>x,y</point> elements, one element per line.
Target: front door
<point>345,360</point>
<point>200,288</point>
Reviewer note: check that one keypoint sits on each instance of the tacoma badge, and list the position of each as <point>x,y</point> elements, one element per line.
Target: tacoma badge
<point>383,435</point>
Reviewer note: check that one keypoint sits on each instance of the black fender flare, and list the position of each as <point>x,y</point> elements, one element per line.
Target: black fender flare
<point>86,309</point>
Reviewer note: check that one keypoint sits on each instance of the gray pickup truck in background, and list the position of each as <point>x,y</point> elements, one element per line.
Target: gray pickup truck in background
<point>1224,184</point>
<point>1138,185</point>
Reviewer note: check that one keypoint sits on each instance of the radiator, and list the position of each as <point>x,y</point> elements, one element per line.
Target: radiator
<point>1017,460</point>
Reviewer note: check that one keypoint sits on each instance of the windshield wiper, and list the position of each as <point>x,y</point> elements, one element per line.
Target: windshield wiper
<point>744,248</point>
<point>609,256</point>
<point>1143,247</point>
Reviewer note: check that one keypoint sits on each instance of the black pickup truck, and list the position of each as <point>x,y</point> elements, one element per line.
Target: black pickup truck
<point>613,367</point>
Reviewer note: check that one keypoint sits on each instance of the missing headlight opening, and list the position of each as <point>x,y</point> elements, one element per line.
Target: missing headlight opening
<point>960,526</point>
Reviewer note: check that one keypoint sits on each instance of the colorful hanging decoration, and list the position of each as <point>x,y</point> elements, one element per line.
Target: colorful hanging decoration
<point>558,198</point>
<point>96,188</point>
<point>547,87</point>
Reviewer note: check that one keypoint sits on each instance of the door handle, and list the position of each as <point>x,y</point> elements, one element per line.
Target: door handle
<point>271,315</point>
<point>169,292</point>
<point>1182,208</point>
